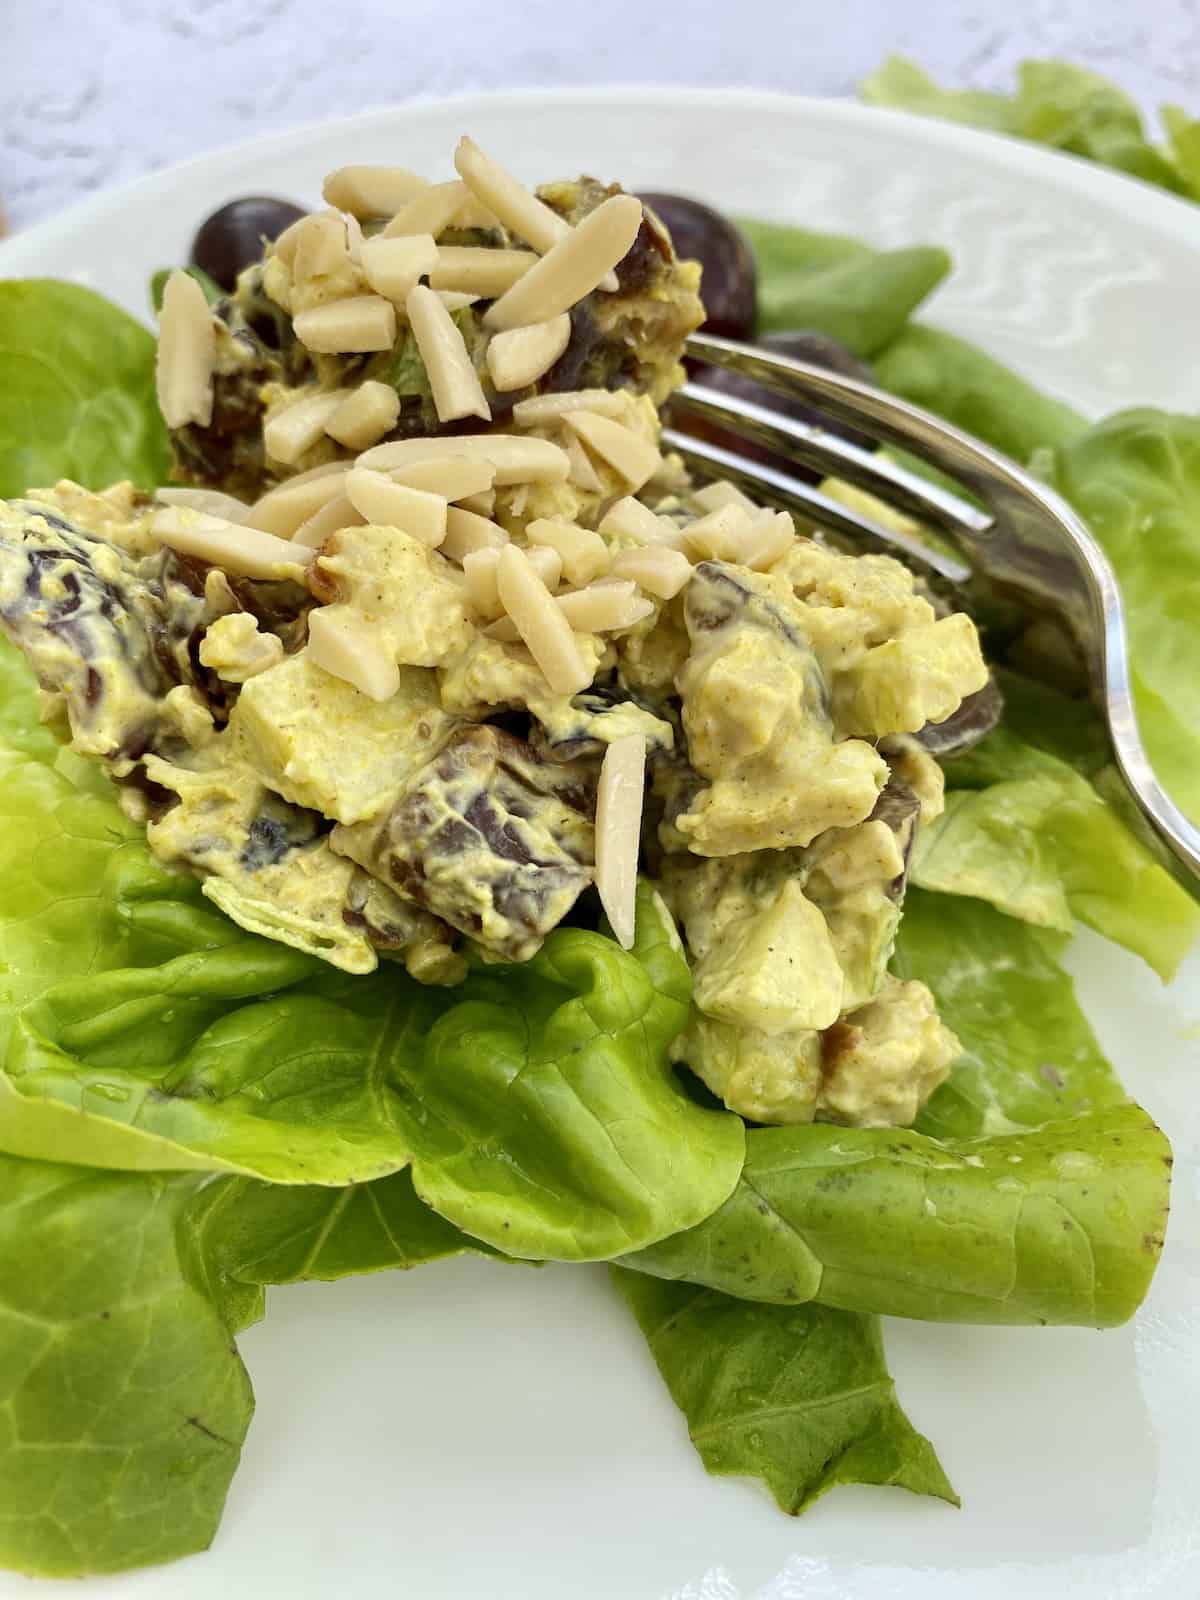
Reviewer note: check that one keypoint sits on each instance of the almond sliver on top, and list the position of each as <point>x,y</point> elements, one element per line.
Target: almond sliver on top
<point>523,355</point>
<point>452,376</point>
<point>432,211</point>
<point>545,631</point>
<point>619,800</point>
<point>470,269</point>
<point>516,459</point>
<point>635,458</point>
<point>573,268</point>
<point>372,191</point>
<point>518,209</point>
<point>512,203</point>
<point>187,351</point>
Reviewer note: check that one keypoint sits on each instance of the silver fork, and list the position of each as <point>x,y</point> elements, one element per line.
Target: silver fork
<point>1023,543</point>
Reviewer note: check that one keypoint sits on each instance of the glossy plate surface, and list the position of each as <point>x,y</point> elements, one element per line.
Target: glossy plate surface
<point>475,1432</point>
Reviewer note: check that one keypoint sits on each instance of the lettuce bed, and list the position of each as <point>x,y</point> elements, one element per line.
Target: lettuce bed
<point>188,1115</point>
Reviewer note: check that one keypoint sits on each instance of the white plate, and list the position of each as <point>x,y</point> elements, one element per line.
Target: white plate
<point>473,1431</point>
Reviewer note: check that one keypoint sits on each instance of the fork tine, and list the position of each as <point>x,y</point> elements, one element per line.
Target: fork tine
<point>834,456</point>
<point>780,488</point>
<point>845,398</point>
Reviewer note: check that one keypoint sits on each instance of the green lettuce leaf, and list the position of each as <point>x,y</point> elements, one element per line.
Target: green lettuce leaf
<point>269,1233</point>
<point>838,286</point>
<point>139,1029</point>
<point>1031,1190</point>
<point>76,391</point>
<point>960,382</point>
<point>904,86</point>
<point>797,1396</point>
<point>1135,479</point>
<point>1183,134</point>
<point>1036,840</point>
<point>123,1404</point>
<point>1056,103</point>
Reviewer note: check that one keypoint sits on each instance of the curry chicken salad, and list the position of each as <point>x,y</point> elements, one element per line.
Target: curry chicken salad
<point>432,639</point>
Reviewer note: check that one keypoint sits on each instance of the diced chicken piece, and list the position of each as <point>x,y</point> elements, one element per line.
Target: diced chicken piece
<point>323,744</point>
<point>881,1063</point>
<point>755,710</point>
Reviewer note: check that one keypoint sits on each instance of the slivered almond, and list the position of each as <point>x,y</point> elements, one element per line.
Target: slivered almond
<point>354,237</point>
<point>547,563</point>
<point>572,268</point>
<point>383,501</point>
<point>603,606</point>
<point>320,247</point>
<point>655,568</point>
<point>468,269</point>
<point>283,509</point>
<point>393,266</point>
<point>342,642</point>
<point>584,554</point>
<point>543,628</point>
<point>457,478</point>
<point>504,628</point>
<point>359,323</point>
<point>452,377</point>
<point>366,191</point>
<point>517,207</point>
<point>285,246</point>
<point>474,214</point>
<point>583,472</point>
<point>523,355</point>
<point>466,532</point>
<point>619,800</point>
<point>630,519</point>
<point>541,409</point>
<point>363,418</point>
<point>483,503</point>
<point>432,211</point>
<point>333,516</point>
<point>289,433</point>
<point>765,545</point>
<point>211,501</point>
<point>721,535</point>
<point>229,545</point>
<point>480,569</point>
<point>187,354</point>
<point>516,459</point>
<point>723,493</point>
<point>635,458</point>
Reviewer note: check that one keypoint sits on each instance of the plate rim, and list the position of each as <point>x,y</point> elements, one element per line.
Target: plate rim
<point>1145,205</point>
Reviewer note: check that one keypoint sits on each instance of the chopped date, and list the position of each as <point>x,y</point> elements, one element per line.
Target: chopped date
<point>487,836</point>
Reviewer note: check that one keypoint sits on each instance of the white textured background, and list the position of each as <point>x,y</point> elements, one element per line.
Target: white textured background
<point>93,92</point>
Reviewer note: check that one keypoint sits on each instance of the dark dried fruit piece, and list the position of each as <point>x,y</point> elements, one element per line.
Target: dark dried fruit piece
<point>729,275</point>
<point>232,237</point>
<point>486,836</point>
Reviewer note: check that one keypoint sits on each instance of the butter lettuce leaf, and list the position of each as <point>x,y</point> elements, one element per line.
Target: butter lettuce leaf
<point>1135,479</point>
<point>797,1396</point>
<point>76,391</point>
<point>1055,103</point>
<point>1036,840</point>
<point>1030,1191</point>
<point>839,286</point>
<point>123,1404</point>
<point>962,383</point>
<point>270,1233</point>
